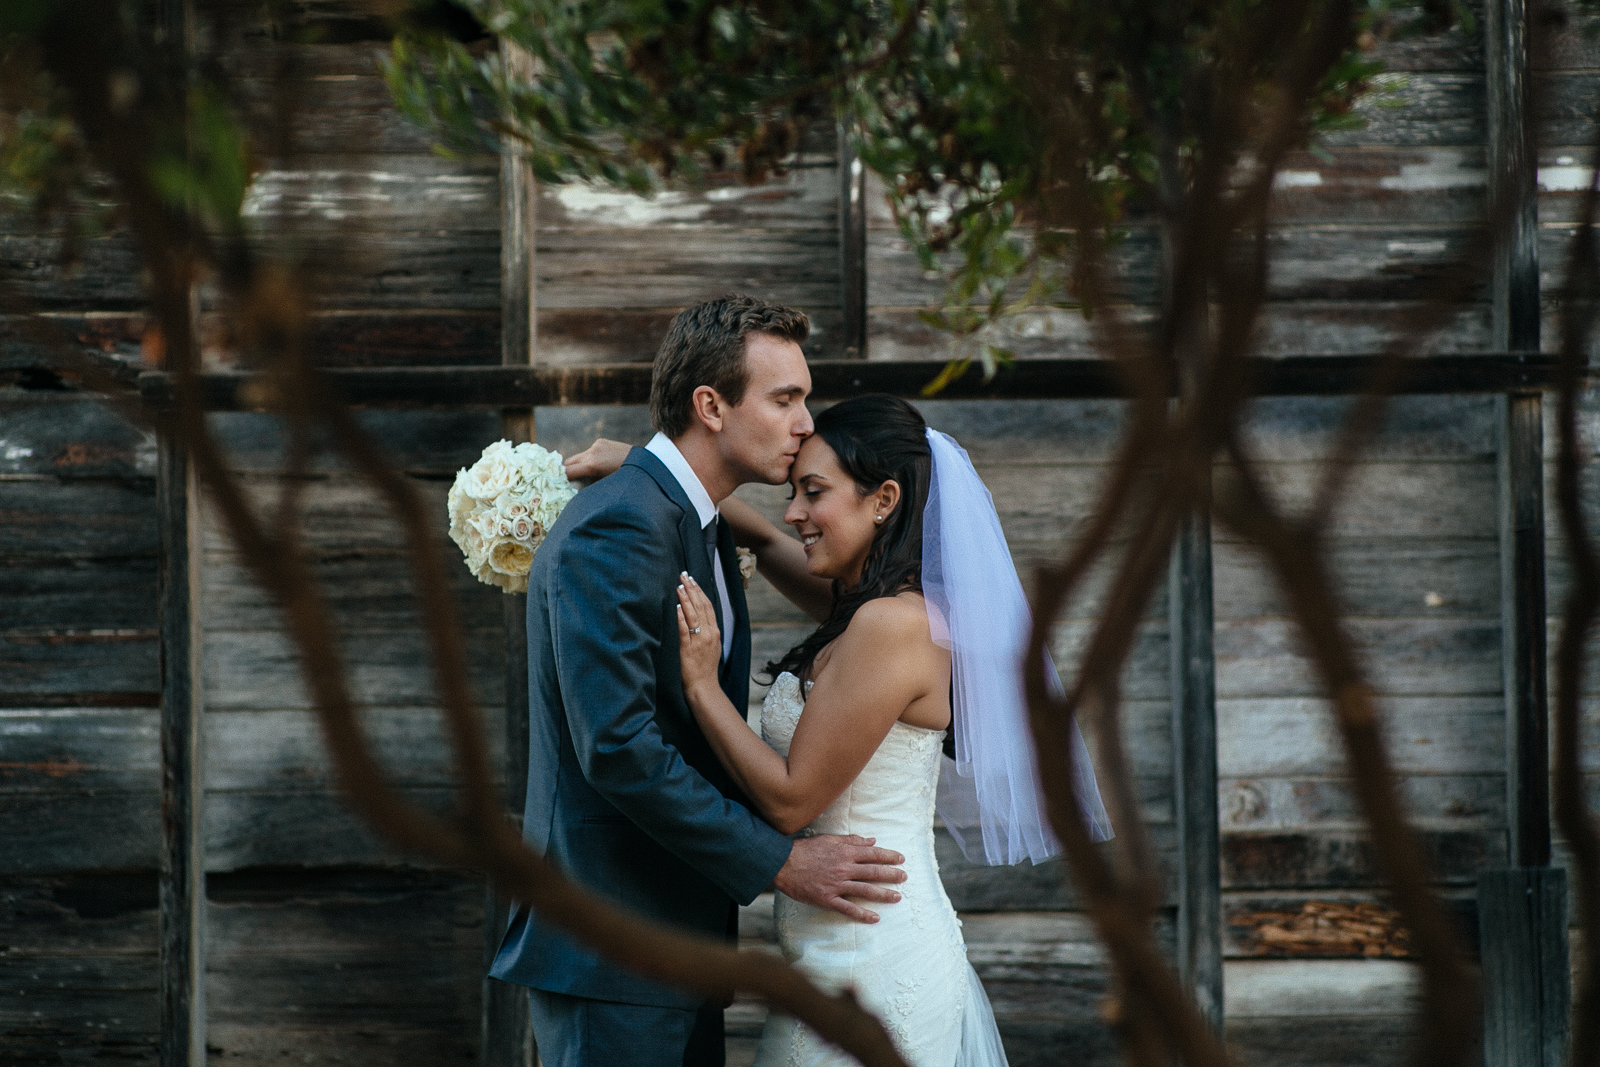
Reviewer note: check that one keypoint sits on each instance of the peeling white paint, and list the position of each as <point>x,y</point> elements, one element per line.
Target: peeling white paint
<point>598,204</point>
<point>1451,170</point>
<point>15,452</point>
<point>334,194</point>
<point>1565,179</point>
<point>1293,179</point>
<point>1416,248</point>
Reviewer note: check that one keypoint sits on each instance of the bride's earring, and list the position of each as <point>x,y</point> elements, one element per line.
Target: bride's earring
<point>877,518</point>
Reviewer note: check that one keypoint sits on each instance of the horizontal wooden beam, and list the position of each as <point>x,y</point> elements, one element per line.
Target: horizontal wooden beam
<point>1034,379</point>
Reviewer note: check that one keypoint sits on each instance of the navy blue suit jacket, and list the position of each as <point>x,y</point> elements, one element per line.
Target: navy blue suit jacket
<point>624,792</point>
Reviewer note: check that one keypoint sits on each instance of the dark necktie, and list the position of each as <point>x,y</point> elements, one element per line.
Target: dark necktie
<point>710,534</point>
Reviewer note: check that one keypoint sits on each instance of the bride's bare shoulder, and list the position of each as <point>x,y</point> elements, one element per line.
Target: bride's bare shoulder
<point>892,622</point>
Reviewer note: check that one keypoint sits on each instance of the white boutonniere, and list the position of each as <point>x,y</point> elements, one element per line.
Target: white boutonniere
<point>747,565</point>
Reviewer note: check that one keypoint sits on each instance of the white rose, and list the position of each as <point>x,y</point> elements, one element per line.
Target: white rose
<point>509,557</point>
<point>493,473</point>
<point>458,500</point>
<point>522,528</point>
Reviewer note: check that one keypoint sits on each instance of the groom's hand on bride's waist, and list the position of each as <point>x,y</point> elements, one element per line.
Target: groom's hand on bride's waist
<point>824,870</point>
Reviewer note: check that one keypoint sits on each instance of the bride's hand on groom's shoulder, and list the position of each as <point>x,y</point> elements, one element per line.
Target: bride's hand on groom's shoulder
<point>825,870</point>
<point>595,462</point>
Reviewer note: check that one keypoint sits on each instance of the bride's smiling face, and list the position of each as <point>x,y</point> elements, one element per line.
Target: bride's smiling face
<point>836,522</point>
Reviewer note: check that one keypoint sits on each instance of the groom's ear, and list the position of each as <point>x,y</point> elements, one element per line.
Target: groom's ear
<point>709,407</point>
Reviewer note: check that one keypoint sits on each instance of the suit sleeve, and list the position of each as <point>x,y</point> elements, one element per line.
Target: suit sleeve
<point>617,572</point>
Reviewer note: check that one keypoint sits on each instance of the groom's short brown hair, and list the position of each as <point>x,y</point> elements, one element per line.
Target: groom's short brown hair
<point>705,346</point>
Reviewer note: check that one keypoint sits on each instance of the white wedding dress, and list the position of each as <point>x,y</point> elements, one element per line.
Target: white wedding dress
<point>910,968</point>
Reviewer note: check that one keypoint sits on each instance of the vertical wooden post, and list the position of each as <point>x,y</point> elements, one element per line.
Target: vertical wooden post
<point>181,923</point>
<point>852,247</point>
<point>1526,977</point>
<point>1194,766</point>
<point>506,1034</point>
<point>183,886</point>
<point>1521,911</point>
<point>1522,629</point>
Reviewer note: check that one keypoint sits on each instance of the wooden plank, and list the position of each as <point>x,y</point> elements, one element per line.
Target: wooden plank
<point>262,1042</point>
<point>1325,802</point>
<point>66,435</point>
<point>260,670</point>
<point>438,269</point>
<point>338,515</point>
<point>292,827</point>
<point>569,336</point>
<point>805,197</point>
<point>1295,737</point>
<point>78,519</point>
<point>1082,379</point>
<point>393,337</point>
<point>45,832</point>
<point>433,444</point>
<point>1527,977</point>
<point>1339,859</point>
<point>55,750</point>
<point>87,913</point>
<point>1376,578</point>
<point>183,825</point>
<point>72,666</point>
<point>78,595</point>
<point>429,990</point>
<point>106,278</point>
<point>364,589</point>
<point>308,912</point>
<point>1446,657</point>
<point>355,193</point>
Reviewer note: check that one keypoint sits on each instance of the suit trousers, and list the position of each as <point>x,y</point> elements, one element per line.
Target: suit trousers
<point>579,1032</point>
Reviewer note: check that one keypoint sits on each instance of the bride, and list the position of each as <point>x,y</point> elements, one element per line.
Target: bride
<point>901,560</point>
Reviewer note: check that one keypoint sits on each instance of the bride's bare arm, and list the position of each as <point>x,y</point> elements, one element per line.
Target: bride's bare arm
<point>883,664</point>
<point>595,462</point>
<point>779,558</point>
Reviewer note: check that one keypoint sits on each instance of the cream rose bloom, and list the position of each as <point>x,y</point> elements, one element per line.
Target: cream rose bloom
<point>501,507</point>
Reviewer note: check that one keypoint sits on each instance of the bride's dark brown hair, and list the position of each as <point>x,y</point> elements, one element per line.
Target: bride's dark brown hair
<point>878,438</point>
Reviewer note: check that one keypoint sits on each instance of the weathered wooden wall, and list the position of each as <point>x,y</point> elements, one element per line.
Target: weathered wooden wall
<point>322,944</point>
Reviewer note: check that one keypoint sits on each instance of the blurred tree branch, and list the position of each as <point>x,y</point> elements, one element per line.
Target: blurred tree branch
<point>1017,142</point>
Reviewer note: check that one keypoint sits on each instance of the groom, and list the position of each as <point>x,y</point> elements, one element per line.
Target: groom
<point>624,793</point>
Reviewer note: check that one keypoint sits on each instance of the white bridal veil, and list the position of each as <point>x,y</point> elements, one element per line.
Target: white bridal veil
<point>990,792</point>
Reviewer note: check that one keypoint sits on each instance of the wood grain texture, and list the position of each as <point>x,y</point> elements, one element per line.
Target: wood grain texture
<point>82,519</point>
<point>260,669</point>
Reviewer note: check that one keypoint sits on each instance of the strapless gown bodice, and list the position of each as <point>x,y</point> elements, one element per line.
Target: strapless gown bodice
<point>910,968</point>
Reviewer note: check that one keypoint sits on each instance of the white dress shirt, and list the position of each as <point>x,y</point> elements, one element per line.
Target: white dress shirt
<point>663,449</point>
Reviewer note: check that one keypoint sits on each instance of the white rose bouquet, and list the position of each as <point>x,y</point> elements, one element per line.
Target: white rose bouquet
<point>502,506</point>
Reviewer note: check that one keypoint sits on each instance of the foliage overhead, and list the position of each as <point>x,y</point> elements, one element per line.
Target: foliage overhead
<point>1003,130</point>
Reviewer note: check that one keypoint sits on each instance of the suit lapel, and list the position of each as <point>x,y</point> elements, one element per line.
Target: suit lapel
<point>692,540</point>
